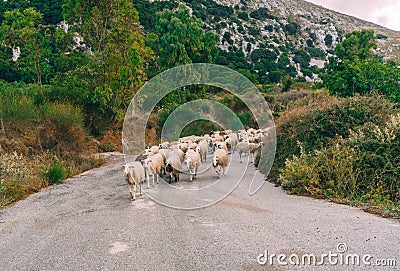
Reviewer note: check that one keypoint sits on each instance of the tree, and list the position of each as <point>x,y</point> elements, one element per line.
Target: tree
<point>181,39</point>
<point>354,69</point>
<point>116,50</point>
<point>23,31</point>
<point>358,44</point>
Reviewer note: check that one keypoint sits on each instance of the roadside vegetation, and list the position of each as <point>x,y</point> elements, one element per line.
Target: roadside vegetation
<point>64,92</point>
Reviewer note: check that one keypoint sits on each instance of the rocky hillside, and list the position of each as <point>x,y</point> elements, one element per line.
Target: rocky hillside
<point>270,39</point>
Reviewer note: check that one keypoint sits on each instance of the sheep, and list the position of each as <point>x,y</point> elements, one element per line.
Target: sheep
<point>257,155</point>
<point>153,164</point>
<point>246,148</point>
<point>173,165</point>
<point>134,175</point>
<point>164,145</point>
<point>192,160</point>
<point>192,146</point>
<point>202,148</point>
<point>152,150</point>
<point>221,145</point>
<point>220,161</point>
<point>242,147</point>
<point>252,149</point>
<point>183,146</point>
<point>232,141</point>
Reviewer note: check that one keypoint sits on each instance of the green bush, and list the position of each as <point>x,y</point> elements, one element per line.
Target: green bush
<point>17,104</point>
<point>106,147</point>
<point>362,168</point>
<point>10,191</point>
<point>317,120</point>
<point>326,173</point>
<point>62,128</point>
<point>55,174</point>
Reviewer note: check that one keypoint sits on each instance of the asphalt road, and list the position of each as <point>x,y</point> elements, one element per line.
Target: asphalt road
<point>90,223</point>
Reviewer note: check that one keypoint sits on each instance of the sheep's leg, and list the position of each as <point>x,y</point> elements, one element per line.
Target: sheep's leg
<point>153,179</point>
<point>134,191</point>
<point>130,190</point>
<point>140,190</point>
<point>157,178</point>
<point>240,157</point>
<point>148,179</point>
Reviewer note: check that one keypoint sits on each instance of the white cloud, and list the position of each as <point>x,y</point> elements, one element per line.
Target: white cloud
<point>383,12</point>
<point>388,15</point>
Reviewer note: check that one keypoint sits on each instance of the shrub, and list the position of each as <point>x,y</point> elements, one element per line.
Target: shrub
<point>317,120</point>
<point>243,15</point>
<point>325,173</point>
<point>106,147</point>
<point>328,40</point>
<point>261,14</point>
<point>62,128</point>
<point>362,168</point>
<point>55,174</point>
<point>10,191</point>
<point>316,52</point>
<point>17,105</point>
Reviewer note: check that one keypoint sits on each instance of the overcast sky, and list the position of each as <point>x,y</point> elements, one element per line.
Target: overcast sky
<point>382,12</point>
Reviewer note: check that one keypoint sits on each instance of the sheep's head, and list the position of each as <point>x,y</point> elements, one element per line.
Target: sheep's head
<point>126,172</point>
<point>188,161</point>
<point>215,161</point>
<point>198,149</point>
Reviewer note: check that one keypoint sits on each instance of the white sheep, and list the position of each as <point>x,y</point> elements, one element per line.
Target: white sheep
<point>164,145</point>
<point>153,165</point>
<point>202,148</point>
<point>173,165</point>
<point>242,148</point>
<point>134,175</point>
<point>192,160</point>
<point>183,146</point>
<point>221,145</point>
<point>192,146</point>
<point>220,161</point>
<point>152,150</point>
<point>232,141</point>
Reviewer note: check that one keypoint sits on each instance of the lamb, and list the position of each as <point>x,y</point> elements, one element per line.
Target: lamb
<point>173,165</point>
<point>153,164</point>
<point>202,148</point>
<point>134,175</point>
<point>192,160</point>
<point>220,161</point>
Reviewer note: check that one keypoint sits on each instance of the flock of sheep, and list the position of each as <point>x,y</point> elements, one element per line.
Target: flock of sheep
<point>168,158</point>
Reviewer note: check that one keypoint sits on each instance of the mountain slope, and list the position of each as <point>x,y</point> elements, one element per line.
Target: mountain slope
<point>266,40</point>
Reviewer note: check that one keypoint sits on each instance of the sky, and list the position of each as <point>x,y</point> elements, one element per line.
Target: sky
<point>382,12</point>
